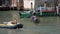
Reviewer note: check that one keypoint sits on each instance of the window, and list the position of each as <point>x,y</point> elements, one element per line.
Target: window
<point>6,2</point>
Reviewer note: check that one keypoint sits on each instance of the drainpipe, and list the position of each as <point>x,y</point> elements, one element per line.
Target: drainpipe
<point>18,7</point>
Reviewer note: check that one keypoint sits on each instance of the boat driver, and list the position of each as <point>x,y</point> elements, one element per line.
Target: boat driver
<point>14,22</point>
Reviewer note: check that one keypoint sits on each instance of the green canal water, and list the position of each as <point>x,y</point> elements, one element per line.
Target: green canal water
<point>47,25</point>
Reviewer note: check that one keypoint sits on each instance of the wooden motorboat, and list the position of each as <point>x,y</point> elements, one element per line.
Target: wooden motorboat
<point>11,26</point>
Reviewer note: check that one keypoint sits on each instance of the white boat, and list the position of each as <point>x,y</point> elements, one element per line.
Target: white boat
<point>13,26</point>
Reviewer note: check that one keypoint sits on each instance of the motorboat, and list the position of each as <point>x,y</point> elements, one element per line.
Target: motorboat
<point>11,26</point>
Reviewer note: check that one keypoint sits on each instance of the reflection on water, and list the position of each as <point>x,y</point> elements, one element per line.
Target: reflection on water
<point>10,32</point>
<point>25,31</point>
<point>47,25</point>
<point>9,15</point>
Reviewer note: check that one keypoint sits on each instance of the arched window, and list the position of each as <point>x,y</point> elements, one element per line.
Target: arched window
<point>6,2</point>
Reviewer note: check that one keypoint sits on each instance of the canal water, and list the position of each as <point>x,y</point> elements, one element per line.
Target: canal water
<point>47,25</point>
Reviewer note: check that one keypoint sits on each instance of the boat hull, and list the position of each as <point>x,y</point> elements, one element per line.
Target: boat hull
<point>13,27</point>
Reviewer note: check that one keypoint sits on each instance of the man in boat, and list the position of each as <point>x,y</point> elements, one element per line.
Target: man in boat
<point>35,18</point>
<point>14,22</point>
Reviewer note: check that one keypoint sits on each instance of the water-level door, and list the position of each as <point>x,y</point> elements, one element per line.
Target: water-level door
<point>0,2</point>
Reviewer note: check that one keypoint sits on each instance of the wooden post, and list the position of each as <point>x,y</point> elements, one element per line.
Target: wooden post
<point>31,6</point>
<point>45,5</point>
<point>10,6</point>
<point>40,9</point>
<point>57,10</point>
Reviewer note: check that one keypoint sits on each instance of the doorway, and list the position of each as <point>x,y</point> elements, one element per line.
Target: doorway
<point>0,2</point>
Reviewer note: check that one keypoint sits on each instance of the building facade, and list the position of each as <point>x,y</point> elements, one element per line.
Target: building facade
<point>48,3</point>
<point>11,3</point>
<point>29,4</point>
<point>26,4</point>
